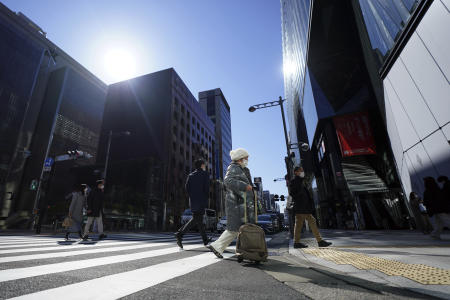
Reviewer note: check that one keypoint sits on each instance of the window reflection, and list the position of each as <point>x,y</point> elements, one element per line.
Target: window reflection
<point>385,21</point>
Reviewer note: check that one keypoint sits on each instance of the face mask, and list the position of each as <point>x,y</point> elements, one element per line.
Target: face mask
<point>245,163</point>
<point>302,174</point>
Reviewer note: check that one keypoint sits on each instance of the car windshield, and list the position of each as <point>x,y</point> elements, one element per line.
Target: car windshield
<point>224,218</point>
<point>187,212</point>
<point>264,218</point>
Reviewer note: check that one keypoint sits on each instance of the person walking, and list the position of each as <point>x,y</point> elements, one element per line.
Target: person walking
<point>414,201</point>
<point>445,191</point>
<point>436,207</point>
<point>239,200</point>
<point>76,211</point>
<point>197,187</point>
<point>303,209</point>
<point>95,209</point>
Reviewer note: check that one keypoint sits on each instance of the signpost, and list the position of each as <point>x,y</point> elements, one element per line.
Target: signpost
<point>48,164</point>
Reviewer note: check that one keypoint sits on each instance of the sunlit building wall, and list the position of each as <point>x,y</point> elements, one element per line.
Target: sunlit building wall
<point>295,21</point>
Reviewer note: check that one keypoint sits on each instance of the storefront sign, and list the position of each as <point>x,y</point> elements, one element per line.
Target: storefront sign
<point>354,134</point>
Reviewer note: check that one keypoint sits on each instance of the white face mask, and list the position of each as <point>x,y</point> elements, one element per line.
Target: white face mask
<point>302,174</point>
<point>245,163</point>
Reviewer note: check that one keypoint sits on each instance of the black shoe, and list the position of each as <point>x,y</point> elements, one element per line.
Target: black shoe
<point>179,240</point>
<point>214,251</point>
<point>80,235</point>
<point>102,236</point>
<point>300,245</point>
<point>85,237</point>
<point>323,243</point>
<point>207,241</point>
<point>67,236</point>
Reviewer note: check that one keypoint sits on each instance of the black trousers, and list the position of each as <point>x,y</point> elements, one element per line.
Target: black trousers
<point>197,219</point>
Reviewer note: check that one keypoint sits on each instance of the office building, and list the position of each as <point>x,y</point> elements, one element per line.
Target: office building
<point>148,168</point>
<point>50,104</point>
<point>218,110</point>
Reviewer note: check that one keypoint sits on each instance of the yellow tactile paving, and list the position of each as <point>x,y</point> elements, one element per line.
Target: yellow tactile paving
<point>418,272</point>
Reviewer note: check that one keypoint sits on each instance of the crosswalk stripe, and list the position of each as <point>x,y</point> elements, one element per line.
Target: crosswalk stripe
<point>67,246</point>
<point>28,241</point>
<point>78,252</point>
<point>126,283</point>
<point>63,247</point>
<point>20,273</point>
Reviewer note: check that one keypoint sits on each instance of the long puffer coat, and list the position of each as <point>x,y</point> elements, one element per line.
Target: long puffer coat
<point>236,182</point>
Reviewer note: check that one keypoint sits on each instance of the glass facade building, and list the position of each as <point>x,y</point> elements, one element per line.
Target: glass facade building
<point>295,22</point>
<point>337,105</point>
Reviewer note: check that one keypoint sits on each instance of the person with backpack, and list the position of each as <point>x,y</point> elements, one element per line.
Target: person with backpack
<point>197,187</point>
<point>239,200</point>
<point>303,209</point>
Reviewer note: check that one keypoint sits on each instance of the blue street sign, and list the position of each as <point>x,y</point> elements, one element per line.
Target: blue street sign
<point>48,162</point>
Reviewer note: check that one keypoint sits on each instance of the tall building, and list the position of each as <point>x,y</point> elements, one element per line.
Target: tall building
<point>49,104</point>
<point>405,44</point>
<point>218,110</point>
<point>349,66</point>
<point>148,168</point>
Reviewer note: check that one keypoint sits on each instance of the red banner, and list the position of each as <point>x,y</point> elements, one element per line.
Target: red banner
<point>354,134</point>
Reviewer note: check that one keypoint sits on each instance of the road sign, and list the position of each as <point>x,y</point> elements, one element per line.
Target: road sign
<point>48,162</point>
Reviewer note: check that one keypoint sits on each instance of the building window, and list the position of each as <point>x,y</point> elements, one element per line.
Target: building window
<point>182,109</point>
<point>176,102</point>
<point>188,114</point>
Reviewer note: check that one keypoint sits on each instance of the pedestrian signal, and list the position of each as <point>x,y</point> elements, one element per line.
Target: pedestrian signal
<point>282,198</point>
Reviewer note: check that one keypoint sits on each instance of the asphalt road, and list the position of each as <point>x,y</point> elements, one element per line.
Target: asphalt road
<point>151,266</point>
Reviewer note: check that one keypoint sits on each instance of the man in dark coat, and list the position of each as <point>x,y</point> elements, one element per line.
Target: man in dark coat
<point>303,209</point>
<point>197,187</point>
<point>95,209</point>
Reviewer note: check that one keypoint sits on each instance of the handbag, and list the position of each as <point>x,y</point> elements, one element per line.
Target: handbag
<point>67,222</point>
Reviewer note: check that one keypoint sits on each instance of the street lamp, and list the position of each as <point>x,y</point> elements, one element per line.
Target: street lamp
<point>302,146</point>
<point>110,136</point>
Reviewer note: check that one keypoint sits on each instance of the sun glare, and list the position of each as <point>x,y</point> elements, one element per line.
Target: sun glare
<point>120,64</point>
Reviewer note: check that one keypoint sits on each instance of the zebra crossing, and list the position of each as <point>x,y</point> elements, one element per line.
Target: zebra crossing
<point>33,267</point>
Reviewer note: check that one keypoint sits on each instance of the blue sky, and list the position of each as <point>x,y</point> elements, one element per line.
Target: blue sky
<point>234,45</point>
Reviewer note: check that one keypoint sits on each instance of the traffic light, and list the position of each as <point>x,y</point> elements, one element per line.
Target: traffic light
<point>282,198</point>
<point>275,197</point>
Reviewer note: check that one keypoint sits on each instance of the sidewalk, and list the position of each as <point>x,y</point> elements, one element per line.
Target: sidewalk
<point>398,259</point>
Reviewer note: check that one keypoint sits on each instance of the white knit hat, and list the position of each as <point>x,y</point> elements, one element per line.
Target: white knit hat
<point>238,154</point>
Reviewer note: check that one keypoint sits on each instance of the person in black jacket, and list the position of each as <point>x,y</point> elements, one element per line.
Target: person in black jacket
<point>95,209</point>
<point>303,209</point>
<point>197,187</point>
<point>433,198</point>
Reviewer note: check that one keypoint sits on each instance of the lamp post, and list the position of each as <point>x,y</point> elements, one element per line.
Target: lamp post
<point>110,136</point>
<point>302,146</point>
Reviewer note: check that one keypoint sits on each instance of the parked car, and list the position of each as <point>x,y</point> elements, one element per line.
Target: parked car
<point>209,219</point>
<point>222,224</point>
<point>266,223</point>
